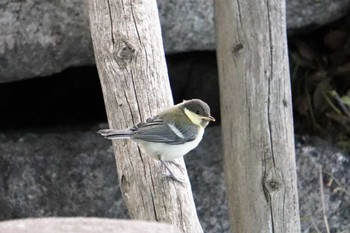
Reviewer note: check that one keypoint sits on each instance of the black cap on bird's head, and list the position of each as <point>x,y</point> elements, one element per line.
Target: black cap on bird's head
<point>200,108</point>
<point>197,106</point>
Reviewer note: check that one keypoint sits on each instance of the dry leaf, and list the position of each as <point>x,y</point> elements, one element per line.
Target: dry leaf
<point>301,105</point>
<point>305,51</point>
<point>336,40</point>
<point>344,70</point>
<point>339,118</point>
<point>299,61</point>
<point>320,104</point>
<point>314,78</point>
<point>338,58</point>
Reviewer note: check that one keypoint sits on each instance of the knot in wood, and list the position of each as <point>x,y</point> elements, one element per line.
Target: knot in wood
<point>273,185</point>
<point>272,182</point>
<point>237,48</point>
<point>124,184</point>
<point>127,52</point>
<point>123,52</point>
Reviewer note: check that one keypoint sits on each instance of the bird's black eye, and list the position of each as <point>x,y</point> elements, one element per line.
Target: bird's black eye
<point>198,112</point>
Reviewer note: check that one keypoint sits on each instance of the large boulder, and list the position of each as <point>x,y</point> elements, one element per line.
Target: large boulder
<point>39,38</point>
<point>65,172</point>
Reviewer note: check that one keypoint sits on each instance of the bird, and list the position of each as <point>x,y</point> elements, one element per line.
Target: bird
<point>170,134</point>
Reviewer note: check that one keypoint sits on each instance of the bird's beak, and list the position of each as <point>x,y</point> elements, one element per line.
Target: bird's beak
<point>209,118</point>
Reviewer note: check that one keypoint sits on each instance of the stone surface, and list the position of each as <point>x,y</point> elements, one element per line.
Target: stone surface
<point>65,172</point>
<point>312,14</point>
<point>313,153</point>
<point>39,38</point>
<point>45,175</point>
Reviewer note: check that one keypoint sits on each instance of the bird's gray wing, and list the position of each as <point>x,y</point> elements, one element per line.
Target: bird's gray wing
<point>158,131</point>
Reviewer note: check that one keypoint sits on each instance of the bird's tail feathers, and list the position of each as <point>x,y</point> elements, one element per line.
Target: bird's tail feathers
<point>115,134</point>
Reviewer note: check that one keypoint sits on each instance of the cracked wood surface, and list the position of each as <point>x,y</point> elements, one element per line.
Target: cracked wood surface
<point>131,64</point>
<point>257,118</point>
<point>83,225</point>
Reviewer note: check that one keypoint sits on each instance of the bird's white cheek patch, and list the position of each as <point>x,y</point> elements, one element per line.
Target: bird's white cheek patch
<point>193,117</point>
<point>176,131</point>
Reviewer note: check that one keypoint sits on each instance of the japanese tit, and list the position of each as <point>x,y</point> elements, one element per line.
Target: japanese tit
<point>170,134</point>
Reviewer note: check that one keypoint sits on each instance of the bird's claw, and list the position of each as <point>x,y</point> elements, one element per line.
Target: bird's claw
<point>173,177</point>
<point>169,173</point>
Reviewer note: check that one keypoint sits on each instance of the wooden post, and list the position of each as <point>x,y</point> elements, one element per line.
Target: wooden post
<point>257,118</point>
<point>82,225</point>
<point>131,64</point>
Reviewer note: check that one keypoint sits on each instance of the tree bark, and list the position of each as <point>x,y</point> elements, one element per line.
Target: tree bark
<point>131,64</point>
<point>257,117</point>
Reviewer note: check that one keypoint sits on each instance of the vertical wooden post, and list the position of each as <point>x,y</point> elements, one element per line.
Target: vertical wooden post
<point>257,118</point>
<point>131,64</point>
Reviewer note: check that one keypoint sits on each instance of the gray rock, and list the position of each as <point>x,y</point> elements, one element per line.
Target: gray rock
<point>62,172</point>
<point>313,153</point>
<point>314,13</point>
<point>187,25</point>
<point>39,38</point>
<point>58,174</point>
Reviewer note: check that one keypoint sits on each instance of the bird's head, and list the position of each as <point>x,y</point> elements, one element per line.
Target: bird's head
<point>197,111</point>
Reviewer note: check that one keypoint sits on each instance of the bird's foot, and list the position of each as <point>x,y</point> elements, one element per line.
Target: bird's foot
<point>173,177</point>
<point>169,173</point>
<point>177,165</point>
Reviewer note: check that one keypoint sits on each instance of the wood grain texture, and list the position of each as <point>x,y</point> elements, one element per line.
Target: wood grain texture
<point>83,225</point>
<point>257,120</point>
<point>131,64</point>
